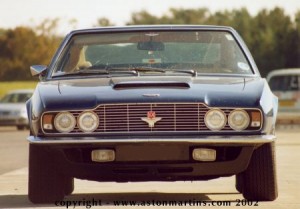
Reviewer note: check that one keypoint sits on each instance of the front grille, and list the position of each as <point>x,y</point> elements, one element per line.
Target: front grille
<point>174,117</point>
<point>128,117</point>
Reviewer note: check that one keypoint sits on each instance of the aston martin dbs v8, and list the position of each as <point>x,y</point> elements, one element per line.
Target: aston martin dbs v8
<point>151,103</point>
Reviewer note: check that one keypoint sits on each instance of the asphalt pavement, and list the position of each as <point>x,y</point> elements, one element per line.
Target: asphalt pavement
<point>219,193</point>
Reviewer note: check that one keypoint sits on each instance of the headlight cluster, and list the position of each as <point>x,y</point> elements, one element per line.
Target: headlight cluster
<point>238,119</point>
<point>65,122</point>
<point>215,119</point>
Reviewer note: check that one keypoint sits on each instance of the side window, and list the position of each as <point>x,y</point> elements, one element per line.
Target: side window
<point>294,83</point>
<point>275,83</point>
<point>285,83</point>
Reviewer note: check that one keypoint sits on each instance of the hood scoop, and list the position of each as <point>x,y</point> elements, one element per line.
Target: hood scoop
<point>145,84</point>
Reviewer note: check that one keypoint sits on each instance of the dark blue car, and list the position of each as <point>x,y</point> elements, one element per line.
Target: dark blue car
<point>151,103</point>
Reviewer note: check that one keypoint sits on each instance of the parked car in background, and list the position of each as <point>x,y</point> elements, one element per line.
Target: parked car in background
<point>285,84</point>
<point>151,103</point>
<point>13,108</point>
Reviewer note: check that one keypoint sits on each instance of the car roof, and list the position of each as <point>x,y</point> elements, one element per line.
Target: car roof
<point>152,27</point>
<point>285,71</point>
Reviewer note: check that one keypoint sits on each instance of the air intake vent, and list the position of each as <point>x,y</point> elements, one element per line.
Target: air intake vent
<point>120,86</point>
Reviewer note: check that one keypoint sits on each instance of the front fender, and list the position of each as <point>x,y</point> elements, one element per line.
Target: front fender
<point>269,104</point>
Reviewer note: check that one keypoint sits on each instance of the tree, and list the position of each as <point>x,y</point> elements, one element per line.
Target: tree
<point>271,45</point>
<point>175,16</point>
<point>296,40</point>
<point>22,47</point>
<point>104,22</point>
<point>272,37</point>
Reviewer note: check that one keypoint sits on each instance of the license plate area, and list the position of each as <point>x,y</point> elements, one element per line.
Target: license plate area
<point>162,152</point>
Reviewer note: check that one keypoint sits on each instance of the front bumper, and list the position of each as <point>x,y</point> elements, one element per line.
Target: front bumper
<point>157,159</point>
<point>225,139</point>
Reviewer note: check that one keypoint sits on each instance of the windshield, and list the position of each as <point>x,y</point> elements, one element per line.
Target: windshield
<point>209,52</point>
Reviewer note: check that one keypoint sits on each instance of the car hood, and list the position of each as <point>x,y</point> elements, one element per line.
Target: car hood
<point>213,91</point>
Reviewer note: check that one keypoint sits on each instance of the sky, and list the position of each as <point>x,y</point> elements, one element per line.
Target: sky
<point>15,13</point>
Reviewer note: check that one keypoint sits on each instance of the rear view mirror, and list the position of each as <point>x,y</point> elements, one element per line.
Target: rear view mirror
<point>151,46</point>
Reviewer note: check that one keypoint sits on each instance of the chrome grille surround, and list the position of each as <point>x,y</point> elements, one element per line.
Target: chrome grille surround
<point>176,117</point>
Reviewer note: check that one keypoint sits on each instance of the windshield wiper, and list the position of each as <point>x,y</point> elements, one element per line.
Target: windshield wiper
<point>123,70</point>
<point>136,70</point>
<point>95,72</point>
<point>192,72</point>
<point>79,72</point>
<point>153,69</point>
<point>148,69</point>
<point>161,70</point>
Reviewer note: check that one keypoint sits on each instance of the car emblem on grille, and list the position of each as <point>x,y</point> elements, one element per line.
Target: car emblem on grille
<point>151,119</point>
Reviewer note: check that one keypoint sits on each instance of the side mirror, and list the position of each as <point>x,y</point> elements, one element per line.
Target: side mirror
<point>38,70</point>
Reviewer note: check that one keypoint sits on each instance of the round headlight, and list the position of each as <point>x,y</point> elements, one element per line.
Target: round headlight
<point>64,122</point>
<point>215,119</point>
<point>238,120</point>
<point>88,121</point>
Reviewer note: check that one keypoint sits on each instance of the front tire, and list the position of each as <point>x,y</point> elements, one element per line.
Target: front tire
<point>21,127</point>
<point>46,183</point>
<point>239,183</point>
<point>69,185</point>
<point>259,181</point>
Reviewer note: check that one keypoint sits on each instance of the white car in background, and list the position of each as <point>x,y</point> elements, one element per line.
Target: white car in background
<point>285,84</point>
<point>13,108</point>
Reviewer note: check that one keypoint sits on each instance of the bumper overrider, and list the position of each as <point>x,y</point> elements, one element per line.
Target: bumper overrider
<point>151,159</point>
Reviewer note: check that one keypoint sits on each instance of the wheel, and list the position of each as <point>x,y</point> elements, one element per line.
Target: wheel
<point>69,185</point>
<point>259,181</point>
<point>239,183</point>
<point>20,127</point>
<point>46,184</point>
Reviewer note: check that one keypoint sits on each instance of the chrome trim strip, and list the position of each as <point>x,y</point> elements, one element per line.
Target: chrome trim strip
<point>229,140</point>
